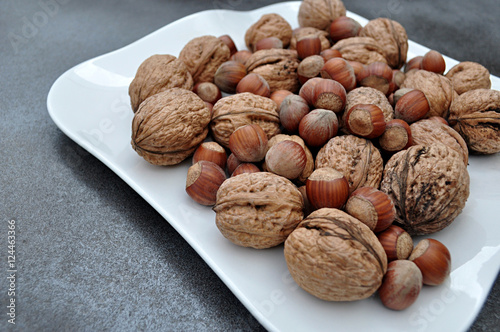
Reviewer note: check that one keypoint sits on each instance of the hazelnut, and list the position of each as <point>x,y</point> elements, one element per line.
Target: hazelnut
<point>228,75</point>
<point>248,143</point>
<point>203,180</point>
<point>357,67</point>
<point>398,78</point>
<point>372,207</point>
<point>341,71</point>
<point>307,89</point>
<point>365,120</point>
<point>286,158</point>
<point>401,285</point>
<point>254,83</point>
<point>329,94</point>
<point>307,46</point>
<point>414,63</point>
<point>377,75</point>
<point>433,61</point>
<point>433,259</point>
<point>292,110</point>
<point>211,151</point>
<point>232,163</point>
<point>327,187</point>
<point>268,43</point>
<point>241,56</point>
<point>397,243</point>
<point>226,39</point>
<point>330,53</point>
<point>310,67</point>
<point>278,96</point>
<point>344,27</point>
<point>396,137</point>
<point>208,92</point>
<point>399,93</point>
<point>412,106</point>
<point>245,168</point>
<point>318,126</point>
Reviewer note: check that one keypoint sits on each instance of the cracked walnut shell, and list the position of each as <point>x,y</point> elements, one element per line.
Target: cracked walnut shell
<point>277,66</point>
<point>232,112</point>
<point>319,14</point>
<point>158,73</point>
<point>335,257</point>
<point>427,132</point>
<point>429,185</point>
<point>258,210</point>
<point>476,116</point>
<point>355,157</point>
<point>391,36</point>
<point>203,56</point>
<point>269,25</point>
<point>169,125</point>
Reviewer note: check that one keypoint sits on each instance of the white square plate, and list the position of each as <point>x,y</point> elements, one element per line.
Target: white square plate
<point>90,104</point>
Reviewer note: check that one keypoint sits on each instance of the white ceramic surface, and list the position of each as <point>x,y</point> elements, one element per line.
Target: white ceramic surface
<point>90,104</point>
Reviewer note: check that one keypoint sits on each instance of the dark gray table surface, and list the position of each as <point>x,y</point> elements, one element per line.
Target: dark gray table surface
<point>91,254</point>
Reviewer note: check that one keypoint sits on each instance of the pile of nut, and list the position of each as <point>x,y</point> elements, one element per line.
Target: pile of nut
<point>316,137</point>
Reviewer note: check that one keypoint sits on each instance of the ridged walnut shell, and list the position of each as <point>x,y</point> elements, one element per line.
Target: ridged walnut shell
<point>391,36</point>
<point>277,66</point>
<point>429,185</point>
<point>475,115</point>
<point>169,126</point>
<point>269,25</point>
<point>361,49</point>
<point>437,88</point>
<point>427,132</point>
<point>158,73</point>
<point>320,13</point>
<point>203,56</point>
<point>231,112</point>
<point>335,257</point>
<point>468,75</point>
<point>355,157</point>
<point>258,210</point>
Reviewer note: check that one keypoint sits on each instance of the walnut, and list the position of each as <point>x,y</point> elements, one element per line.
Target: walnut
<point>335,257</point>
<point>469,75</point>
<point>277,66</point>
<point>355,157</point>
<point>437,88</point>
<point>367,95</point>
<point>320,13</point>
<point>169,125</point>
<point>232,112</point>
<point>310,32</point>
<point>429,185</point>
<point>269,25</point>
<point>428,132</point>
<point>203,56</point>
<point>362,49</point>
<point>391,36</point>
<point>476,116</point>
<point>309,168</point>
<point>158,73</point>
<point>258,210</point>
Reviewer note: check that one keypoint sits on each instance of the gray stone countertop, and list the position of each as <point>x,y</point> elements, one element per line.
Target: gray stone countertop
<point>91,254</point>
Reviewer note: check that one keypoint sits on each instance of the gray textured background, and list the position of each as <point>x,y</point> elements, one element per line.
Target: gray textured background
<point>92,254</point>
